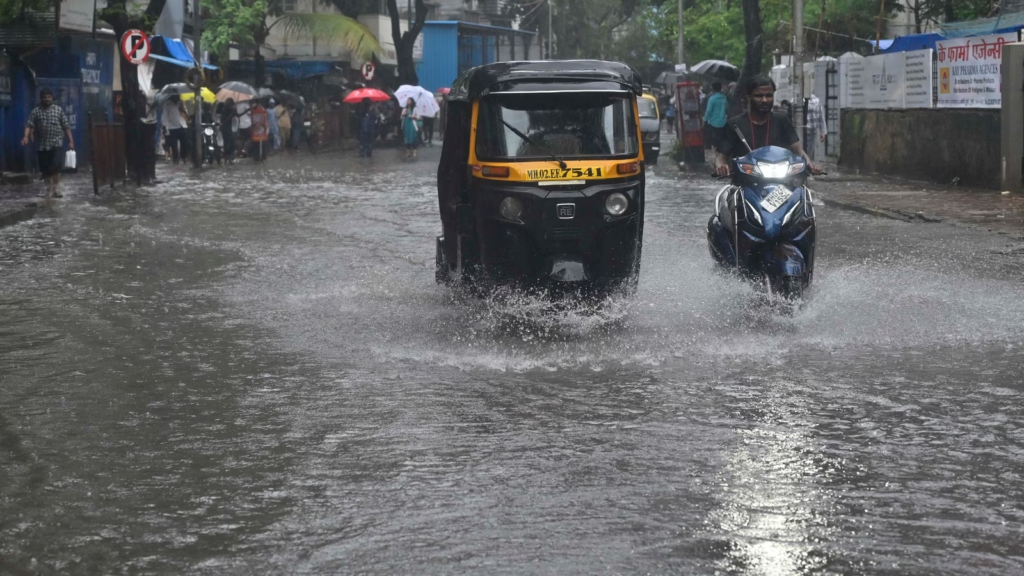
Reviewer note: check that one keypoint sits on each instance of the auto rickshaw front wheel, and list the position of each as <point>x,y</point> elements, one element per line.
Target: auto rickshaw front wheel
<point>441,275</point>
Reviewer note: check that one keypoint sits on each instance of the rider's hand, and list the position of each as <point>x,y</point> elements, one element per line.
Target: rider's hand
<point>25,141</point>
<point>815,170</point>
<point>722,170</point>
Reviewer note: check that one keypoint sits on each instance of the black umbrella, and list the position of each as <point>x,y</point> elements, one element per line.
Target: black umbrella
<point>176,89</point>
<point>717,69</point>
<point>240,87</point>
<point>287,97</point>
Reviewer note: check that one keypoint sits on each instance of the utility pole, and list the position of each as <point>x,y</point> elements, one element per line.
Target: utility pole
<point>197,116</point>
<point>798,63</point>
<point>551,54</point>
<point>682,53</point>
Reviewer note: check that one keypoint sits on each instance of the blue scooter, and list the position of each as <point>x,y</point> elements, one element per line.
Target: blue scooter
<point>763,226</point>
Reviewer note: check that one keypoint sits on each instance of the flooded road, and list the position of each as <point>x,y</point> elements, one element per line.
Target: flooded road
<point>254,372</point>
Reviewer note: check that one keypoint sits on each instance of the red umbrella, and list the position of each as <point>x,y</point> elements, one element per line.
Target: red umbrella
<point>372,93</point>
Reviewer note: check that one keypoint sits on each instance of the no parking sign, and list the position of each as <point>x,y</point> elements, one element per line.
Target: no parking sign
<point>135,46</point>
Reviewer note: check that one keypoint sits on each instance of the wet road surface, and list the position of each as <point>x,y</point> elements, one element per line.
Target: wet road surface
<point>255,373</point>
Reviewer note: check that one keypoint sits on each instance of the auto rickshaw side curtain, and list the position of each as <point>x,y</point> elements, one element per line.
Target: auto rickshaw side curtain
<point>453,172</point>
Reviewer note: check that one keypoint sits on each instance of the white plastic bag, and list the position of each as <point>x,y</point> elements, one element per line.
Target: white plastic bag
<point>70,160</point>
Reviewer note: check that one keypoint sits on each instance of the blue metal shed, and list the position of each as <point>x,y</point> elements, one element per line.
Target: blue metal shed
<point>452,47</point>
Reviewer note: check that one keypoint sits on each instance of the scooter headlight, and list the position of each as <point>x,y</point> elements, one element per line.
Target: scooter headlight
<point>511,208</point>
<point>616,204</point>
<point>796,168</point>
<point>208,131</point>
<point>749,169</point>
<point>774,171</point>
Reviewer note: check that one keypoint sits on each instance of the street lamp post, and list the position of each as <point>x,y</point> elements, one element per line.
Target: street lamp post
<point>197,116</point>
<point>682,53</point>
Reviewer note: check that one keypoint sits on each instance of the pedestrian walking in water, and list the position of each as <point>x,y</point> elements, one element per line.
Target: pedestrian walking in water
<point>367,129</point>
<point>284,124</point>
<point>428,130</point>
<point>244,110</point>
<point>298,125</point>
<point>816,128</point>
<point>275,135</point>
<point>410,128</point>
<point>47,126</point>
<point>228,114</point>
<point>176,123</point>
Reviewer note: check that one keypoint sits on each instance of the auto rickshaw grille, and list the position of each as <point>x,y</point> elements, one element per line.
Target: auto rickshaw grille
<point>565,233</point>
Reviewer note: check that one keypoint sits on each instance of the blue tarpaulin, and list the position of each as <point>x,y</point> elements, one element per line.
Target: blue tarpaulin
<point>294,69</point>
<point>913,42</point>
<point>177,53</point>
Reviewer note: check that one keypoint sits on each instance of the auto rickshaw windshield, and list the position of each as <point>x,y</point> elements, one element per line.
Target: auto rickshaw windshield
<point>568,125</point>
<point>648,109</point>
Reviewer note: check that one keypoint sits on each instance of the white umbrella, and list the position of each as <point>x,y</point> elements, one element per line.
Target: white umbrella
<point>424,99</point>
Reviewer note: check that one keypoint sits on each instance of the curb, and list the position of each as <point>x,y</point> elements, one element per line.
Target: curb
<point>900,215</point>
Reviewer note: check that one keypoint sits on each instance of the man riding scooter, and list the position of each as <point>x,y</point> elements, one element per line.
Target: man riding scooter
<point>759,127</point>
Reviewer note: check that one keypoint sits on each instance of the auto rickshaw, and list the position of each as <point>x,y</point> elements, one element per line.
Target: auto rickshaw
<point>541,179</point>
<point>650,127</point>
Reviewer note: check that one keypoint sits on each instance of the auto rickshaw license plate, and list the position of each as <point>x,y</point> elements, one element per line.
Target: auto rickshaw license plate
<point>565,173</point>
<point>776,199</point>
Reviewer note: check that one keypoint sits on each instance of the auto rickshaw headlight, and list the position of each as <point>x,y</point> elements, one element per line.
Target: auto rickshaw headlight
<point>616,204</point>
<point>511,208</point>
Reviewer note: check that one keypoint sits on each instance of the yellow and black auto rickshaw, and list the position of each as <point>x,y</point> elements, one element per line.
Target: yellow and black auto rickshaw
<point>541,180</point>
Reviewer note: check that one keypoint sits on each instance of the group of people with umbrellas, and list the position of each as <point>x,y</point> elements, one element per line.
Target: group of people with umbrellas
<point>229,113</point>
<point>411,111</point>
<point>418,110</point>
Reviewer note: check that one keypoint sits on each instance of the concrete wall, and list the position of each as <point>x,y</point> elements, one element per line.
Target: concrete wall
<point>928,144</point>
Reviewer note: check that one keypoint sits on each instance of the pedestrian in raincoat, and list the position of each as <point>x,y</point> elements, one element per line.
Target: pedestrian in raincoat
<point>275,134</point>
<point>367,129</point>
<point>284,123</point>
<point>410,128</point>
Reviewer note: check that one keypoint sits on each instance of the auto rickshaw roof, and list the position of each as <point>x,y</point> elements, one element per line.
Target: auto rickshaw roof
<point>551,75</point>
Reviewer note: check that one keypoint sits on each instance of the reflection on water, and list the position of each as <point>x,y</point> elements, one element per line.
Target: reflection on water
<point>254,371</point>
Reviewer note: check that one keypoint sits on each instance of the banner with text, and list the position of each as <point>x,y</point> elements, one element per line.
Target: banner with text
<point>969,71</point>
<point>901,80</point>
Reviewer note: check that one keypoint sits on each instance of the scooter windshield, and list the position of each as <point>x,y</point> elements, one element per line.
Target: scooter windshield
<point>569,125</point>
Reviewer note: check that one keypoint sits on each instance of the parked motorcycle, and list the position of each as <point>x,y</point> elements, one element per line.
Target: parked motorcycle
<point>763,226</point>
<point>211,150</point>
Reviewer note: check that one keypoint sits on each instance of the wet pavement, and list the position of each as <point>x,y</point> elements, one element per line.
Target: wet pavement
<point>254,372</point>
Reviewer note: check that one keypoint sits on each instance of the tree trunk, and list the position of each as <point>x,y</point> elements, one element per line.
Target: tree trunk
<point>259,62</point>
<point>133,100</point>
<point>752,58</point>
<point>404,42</point>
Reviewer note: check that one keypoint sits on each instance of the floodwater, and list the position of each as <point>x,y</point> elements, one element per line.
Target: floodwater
<point>254,372</point>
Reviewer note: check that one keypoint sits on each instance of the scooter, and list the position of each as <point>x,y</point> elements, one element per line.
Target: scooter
<point>763,225</point>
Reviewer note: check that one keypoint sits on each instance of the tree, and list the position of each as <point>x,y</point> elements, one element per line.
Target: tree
<point>245,22</point>
<point>133,101</point>
<point>404,42</point>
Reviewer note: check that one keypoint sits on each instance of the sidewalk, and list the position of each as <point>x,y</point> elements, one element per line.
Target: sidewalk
<point>921,202</point>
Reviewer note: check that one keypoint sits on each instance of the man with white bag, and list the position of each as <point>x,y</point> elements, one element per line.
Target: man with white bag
<point>47,125</point>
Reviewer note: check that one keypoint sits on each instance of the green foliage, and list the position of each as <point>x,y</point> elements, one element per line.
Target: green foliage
<point>714,29</point>
<point>233,22</point>
<point>19,10</point>
<point>333,28</point>
<point>244,22</point>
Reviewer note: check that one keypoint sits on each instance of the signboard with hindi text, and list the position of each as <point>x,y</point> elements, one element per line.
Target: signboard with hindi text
<point>969,71</point>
